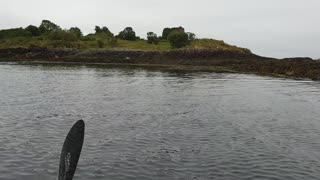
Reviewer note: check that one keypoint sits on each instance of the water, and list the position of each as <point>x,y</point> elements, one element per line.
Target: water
<point>148,124</point>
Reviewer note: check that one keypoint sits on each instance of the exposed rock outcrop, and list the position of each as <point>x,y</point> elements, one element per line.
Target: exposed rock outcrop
<point>231,60</point>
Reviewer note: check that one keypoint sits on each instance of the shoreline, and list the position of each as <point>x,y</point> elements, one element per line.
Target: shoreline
<point>187,60</point>
<point>160,67</point>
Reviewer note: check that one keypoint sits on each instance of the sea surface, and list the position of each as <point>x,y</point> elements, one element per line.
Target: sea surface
<point>148,124</point>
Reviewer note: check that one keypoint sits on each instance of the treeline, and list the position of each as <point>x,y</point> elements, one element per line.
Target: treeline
<point>47,30</point>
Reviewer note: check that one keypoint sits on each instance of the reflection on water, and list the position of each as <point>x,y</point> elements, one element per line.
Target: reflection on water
<point>148,124</point>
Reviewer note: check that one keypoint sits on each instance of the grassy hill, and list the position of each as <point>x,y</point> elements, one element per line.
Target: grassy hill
<point>92,42</point>
<point>51,35</point>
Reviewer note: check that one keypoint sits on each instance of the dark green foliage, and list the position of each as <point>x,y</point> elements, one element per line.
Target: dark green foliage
<point>48,26</point>
<point>98,29</point>
<point>62,35</point>
<point>76,31</point>
<point>105,30</point>
<point>104,36</point>
<point>127,34</point>
<point>178,39</point>
<point>102,30</point>
<point>51,35</point>
<point>34,30</point>
<point>167,31</point>
<point>152,38</point>
<point>16,32</point>
<point>191,36</point>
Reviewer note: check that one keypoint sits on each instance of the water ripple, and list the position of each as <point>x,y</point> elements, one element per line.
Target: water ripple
<point>145,124</point>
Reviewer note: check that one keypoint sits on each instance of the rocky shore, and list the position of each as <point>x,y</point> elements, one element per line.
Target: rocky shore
<point>194,59</point>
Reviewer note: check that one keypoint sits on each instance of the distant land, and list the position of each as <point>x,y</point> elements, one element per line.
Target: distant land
<point>174,49</point>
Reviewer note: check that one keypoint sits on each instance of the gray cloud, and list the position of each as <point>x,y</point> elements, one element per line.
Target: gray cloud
<point>279,28</point>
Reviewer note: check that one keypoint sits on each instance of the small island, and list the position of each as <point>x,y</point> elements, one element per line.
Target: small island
<point>175,49</point>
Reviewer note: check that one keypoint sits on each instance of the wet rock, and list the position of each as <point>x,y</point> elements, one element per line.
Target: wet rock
<point>234,61</point>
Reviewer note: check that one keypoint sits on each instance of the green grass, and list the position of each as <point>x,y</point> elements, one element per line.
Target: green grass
<point>216,45</point>
<point>143,45</point>
<point>91,42</point>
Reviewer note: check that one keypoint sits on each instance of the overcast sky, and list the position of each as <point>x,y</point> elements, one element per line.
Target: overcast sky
<point>278,28</point>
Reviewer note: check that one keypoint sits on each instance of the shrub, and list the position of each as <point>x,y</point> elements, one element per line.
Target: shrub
<point>178,39</point>
<point>107,38</point>
<point>76,31</point>
<point>16,32</point>
<point>166,31</point>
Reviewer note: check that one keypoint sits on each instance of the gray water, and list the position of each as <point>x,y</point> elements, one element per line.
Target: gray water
<point>149,124</point>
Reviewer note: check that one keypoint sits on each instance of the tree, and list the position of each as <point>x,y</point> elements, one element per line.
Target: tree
<point>191,36</point>
<point>105,30</point>
<point>48,26</point>
<point>178,39</point>
<point>152,38</point>
<point>76,31</point>
<point>101,30</point>
<point>34,30</point>
<point>167,31</point>
<point>127,34</point>
<point>98,29</point>
<point>104,37</point>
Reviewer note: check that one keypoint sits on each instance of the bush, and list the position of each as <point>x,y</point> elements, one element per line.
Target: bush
<point>106,38</point>
<point>166,31</point>
<point>76,31</point>
<point>16,32</point>
<point>127,34</point>
<point>178,39</point>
